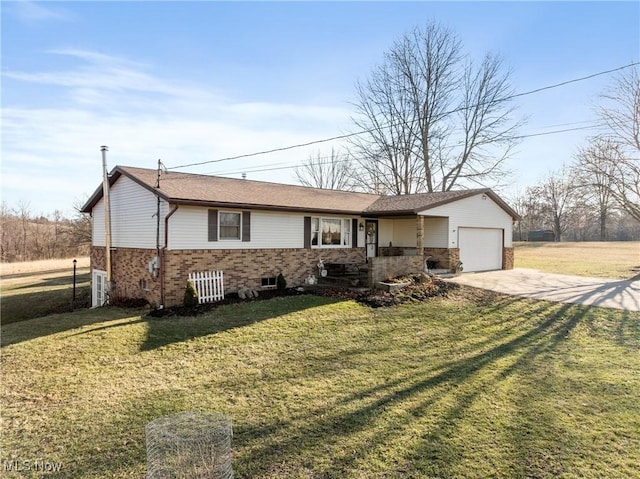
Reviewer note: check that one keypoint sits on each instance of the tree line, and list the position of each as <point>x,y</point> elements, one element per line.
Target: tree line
<point>429,118</point>
<point>597,195</point>
<point>25,236</point>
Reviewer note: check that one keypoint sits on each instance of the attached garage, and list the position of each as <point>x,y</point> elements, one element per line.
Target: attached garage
<point>480,248</point>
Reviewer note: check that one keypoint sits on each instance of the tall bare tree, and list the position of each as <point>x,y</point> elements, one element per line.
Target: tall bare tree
<point>432,118</point>
<point>331,172</point>
<point>595,171</point>
<point>620,160</point>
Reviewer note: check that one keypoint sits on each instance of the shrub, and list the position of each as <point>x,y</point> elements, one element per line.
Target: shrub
<point>281,283</point>
<point>190,295</point>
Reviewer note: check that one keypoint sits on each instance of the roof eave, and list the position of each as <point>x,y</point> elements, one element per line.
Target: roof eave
<point>253,206</point>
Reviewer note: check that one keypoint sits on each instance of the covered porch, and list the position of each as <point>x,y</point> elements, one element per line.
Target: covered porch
<point>408,244</point>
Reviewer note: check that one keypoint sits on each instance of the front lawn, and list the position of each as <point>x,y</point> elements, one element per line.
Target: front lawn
<point>473,386</point>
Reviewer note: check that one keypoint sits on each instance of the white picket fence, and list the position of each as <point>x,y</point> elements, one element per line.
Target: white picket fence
<point>209,285</point>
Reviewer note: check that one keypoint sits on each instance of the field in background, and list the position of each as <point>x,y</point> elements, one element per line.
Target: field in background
<point>7,269</point>
<point>37,288</point>
<point>616,260</point>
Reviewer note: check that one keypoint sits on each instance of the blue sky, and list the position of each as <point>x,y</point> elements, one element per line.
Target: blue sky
<point>190,82</point>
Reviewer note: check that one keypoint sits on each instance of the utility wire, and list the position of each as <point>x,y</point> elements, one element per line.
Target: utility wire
<point>322,160</point>
<point>349,158</point>
<point>357,133</point>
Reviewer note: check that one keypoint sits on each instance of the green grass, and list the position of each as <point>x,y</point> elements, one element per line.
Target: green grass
<point>33,295</point>
<point>616,260</point>
<point>495,387</point>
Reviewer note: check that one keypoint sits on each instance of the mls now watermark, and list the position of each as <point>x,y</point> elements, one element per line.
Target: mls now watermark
<point>36,465</point>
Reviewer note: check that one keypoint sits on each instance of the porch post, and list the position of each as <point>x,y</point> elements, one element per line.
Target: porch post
<point>420,235</point>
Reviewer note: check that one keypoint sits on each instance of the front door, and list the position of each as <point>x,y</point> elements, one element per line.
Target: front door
<point>371,240</point>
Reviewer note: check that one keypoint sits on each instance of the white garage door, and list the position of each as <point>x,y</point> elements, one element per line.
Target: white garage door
<point>480,249</point>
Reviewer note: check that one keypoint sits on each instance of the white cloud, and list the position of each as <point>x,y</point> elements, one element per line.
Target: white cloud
<point>33,13</point>
<point>51,156</point>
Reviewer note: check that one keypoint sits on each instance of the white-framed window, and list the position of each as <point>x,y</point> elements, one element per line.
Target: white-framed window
<point>230,225</point>
<point>330,232</point>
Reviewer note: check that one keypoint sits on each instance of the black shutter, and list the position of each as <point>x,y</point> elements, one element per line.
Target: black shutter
<point>213,225</point>
<point>354,233</point>
<point>246,226</point>
<point>307,232</point>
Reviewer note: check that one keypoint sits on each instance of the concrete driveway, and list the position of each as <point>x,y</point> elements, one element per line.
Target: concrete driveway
<point>619,294</point>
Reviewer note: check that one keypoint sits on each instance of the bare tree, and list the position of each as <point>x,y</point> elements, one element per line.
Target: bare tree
<point>595,171</point>
<point>532,213</point>
<point>621,113</point>
<point>432,119</point>
<point>24,214</point>
<point>620,160</point>
<point>81,226</point>
<point>557,194</point>
<point>331,172</point>
<point>25,237</point>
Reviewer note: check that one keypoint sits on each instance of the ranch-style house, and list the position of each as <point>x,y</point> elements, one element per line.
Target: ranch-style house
<point>164,227</point>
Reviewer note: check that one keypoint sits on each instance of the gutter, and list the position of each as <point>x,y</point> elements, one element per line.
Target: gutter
<point>164,248</point>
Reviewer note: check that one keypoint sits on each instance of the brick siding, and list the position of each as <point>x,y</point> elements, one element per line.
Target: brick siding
<point>128,267</point>
<point>385,267</point>
<point>248,267</point>
<point>446,258</point>
<point>507,258</point>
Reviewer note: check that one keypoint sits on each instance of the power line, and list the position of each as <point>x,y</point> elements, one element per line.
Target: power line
<point>318,161</point>
<point>348,157</point>
<point>357,133</point>
<point>588,77</point>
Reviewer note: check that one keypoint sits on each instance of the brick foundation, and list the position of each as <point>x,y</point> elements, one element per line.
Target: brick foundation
<point>248,267</point>
<point>507,258</point>
<point>385,267</point>
<point>446,258</point>
<point>129,267</point>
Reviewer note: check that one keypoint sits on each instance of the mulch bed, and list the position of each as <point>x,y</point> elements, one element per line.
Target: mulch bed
<point>421,287</point>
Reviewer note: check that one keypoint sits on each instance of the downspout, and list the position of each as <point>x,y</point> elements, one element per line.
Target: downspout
<point>164,249</point>
<point>107,217</point>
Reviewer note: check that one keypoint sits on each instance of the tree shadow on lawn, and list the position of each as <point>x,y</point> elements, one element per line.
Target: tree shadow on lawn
<point>334,438</point>
<point>453,387</point>
<point>26,306</point>
<point>29,329</point>
<point>173,329</point>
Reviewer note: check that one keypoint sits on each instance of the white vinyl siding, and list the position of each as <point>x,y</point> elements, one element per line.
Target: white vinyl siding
<point>188,229</point>
<point>385,232</point>
<point>402,232</point>
<point>133,217</point>
<point>436,232</point>
<point>473,212</point>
